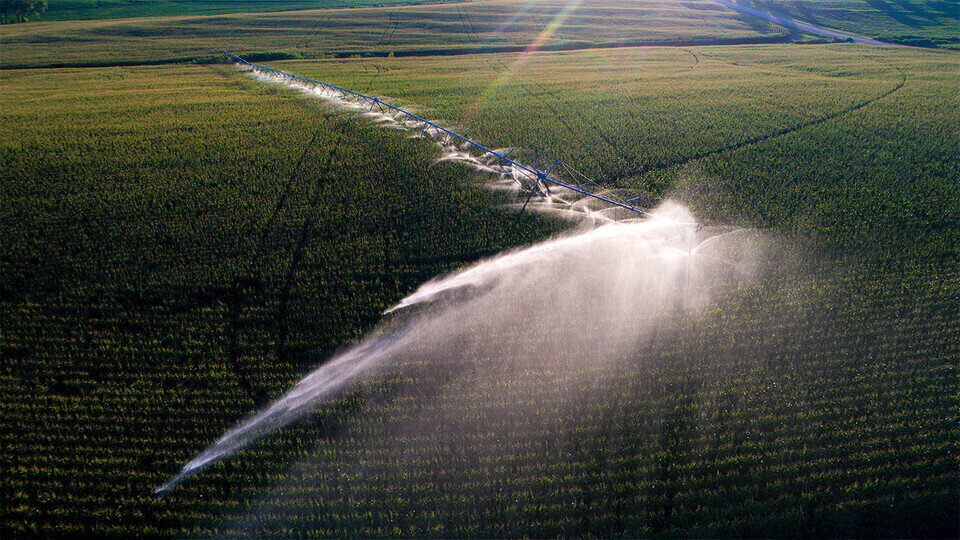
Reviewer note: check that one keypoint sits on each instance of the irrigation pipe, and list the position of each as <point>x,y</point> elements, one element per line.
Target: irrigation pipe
<point>374,102</point>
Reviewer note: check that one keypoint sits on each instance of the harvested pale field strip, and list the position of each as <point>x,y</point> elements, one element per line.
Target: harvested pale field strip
<point>429,29</point>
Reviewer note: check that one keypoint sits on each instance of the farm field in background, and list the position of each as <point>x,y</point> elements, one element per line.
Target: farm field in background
<point>66,10</point>
<point>409,30</point>
<point>923,23</point>
<point>183,242</point>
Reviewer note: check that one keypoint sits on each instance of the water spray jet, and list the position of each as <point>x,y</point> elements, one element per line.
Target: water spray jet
<point>625,275</point>
<point>624,278</point>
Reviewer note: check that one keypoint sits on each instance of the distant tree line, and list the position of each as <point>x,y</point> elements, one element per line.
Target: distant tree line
<point>20,10</point>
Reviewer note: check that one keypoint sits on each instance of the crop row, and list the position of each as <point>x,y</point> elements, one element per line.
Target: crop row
<point>182,278</point>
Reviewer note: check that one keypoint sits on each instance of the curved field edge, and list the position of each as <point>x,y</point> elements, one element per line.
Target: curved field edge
<point>924,23</point>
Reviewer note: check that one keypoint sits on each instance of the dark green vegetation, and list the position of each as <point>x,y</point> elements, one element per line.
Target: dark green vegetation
<point>762,419</point>
<point>180,243</point>
<point>923,23</point>
<point>411,30</point>
<point>20,10</point>
<point>68,10</point>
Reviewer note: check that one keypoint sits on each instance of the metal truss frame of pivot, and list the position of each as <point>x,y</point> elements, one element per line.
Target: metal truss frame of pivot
<point>540,175</point>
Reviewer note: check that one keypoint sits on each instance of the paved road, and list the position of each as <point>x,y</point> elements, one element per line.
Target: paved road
<point>809,28</point>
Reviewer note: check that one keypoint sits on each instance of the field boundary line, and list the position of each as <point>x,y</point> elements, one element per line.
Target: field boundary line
<point>252,281</point>
<point>280,319</point>
<point>803,26</point>
<point>458,51</point>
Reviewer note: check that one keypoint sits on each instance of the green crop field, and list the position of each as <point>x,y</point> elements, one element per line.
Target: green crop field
<point>155,221</point>
<point>182,242</point>
<point>737,108</point>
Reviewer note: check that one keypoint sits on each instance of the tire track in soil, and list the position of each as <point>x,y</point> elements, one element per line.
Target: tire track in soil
<point>311,34</point>
<point>779,133</point>
<point>593,126</point>
<point>468,26</point>
<point>373,79</point>
<point>553,110</point>
<point>236,295</point>
<point>683,161</point>
<point>388,32</point>
<point>288,187</point>
<point>249,290</point>
<point>306,230</point>
<point>237,33</point>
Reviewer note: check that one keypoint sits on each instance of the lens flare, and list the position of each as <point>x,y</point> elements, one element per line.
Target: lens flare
<point>514,68</point>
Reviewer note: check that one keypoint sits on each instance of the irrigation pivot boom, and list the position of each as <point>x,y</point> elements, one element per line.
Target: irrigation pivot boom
<point>540,175</point>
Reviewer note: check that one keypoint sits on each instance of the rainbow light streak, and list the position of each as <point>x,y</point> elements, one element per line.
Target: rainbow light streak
<point>517,64</point>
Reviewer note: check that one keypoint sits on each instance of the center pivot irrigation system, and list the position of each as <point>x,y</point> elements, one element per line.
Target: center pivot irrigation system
<point>543,178</point>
